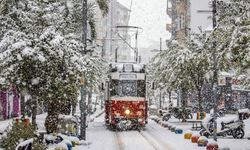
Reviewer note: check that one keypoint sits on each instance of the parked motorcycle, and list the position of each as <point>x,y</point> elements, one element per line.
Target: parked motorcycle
<point>164,114</point>
<point>233,127</point>
<point>179,113</point>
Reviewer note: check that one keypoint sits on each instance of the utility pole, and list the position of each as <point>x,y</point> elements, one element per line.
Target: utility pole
<point>215,74</point>
<point>82,81</point>
<point>136,47</point>
<point>160,99</point>
<point>160,87</point>
<point>160,44</point>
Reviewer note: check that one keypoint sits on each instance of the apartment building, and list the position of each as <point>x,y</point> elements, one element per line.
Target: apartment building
<point>118,16</point>
<point>188,16</point>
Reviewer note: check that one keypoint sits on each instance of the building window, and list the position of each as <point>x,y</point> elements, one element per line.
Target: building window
<point>182,21</point>
<point>178,22</point>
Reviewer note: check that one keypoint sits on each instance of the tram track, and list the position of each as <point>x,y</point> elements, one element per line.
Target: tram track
<point>156,134</point>
<point>120,144</point>
<point>149,141</point>
<point>121,140</point>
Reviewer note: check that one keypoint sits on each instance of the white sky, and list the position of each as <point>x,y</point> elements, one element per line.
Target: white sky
<point>151,16</point>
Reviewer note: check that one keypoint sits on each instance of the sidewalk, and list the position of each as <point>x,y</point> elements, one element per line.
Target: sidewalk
<point>223,142</point>
<point>4,124</point>
<point>41,119</point>
<point>40,122</point>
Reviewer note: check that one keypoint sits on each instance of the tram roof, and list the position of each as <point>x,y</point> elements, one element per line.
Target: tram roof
<point>127,67</point>
<point>117,98</point>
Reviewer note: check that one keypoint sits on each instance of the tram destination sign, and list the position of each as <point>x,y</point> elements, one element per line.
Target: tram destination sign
<point>128,76</point>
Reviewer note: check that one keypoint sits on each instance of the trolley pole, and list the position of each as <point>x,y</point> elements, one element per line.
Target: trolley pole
<point>215,74</point>
<point>82,81</point>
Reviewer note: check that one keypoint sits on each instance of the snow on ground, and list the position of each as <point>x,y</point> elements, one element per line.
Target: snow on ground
<point>152,137</point>
<point>4,124</point>
<point>223,142</point>
<point>99,137</point>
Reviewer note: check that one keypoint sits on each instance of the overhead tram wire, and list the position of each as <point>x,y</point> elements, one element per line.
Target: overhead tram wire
<point>130,9</point>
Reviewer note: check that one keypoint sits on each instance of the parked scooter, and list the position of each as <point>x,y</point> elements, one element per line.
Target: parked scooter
<point>234,127</point>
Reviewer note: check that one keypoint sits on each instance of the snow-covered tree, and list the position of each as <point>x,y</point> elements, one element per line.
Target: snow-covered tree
<point>229,41</point>
<point>17,32</point>
<point>228,44</point>
<point>172,67</point>
<point>183,66</point>
<point>198,65</point>
<point>40,44</point>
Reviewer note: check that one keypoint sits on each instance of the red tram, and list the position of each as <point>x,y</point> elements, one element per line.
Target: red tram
<point>126,105</point>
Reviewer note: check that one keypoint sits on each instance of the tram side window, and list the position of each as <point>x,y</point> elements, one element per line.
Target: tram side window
<point>114,88</point>
<point>141,88</point>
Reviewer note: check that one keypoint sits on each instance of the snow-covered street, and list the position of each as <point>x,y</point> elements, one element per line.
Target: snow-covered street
<point>148,139</point>
<point>124,75</point>
<point>153,137</point>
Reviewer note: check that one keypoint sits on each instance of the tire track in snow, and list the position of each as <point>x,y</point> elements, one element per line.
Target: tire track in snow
<point>150,141</point>
<point>131,140</point>
<point>156,137</point>
<point>120,143</point>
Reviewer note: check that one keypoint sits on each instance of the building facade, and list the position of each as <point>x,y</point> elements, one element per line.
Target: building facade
<point>9,103</point>
<point>188,16</point>
<point>178,11</point>
<point>195,16</point>
<point>113,44</point>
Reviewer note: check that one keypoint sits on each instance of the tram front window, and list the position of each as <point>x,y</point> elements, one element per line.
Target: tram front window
<point>127,88</point>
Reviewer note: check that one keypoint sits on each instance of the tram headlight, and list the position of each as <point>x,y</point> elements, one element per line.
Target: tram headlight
<point>127,111</point>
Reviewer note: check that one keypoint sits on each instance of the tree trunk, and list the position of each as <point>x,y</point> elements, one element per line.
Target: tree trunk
<point>200,101</point>
<point>95,103</point>
<point>22,101</point>
<point>83,113</point>
<point>170,100</point>
<point>89,102</point>
<point>184,104</point>
<point>179,98</point>
<point>34,110</point>
<point>102,100</point>
<point>51,120</point>
<point>73,110</point>
<point>68,107</point>
<point>184,98</point>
